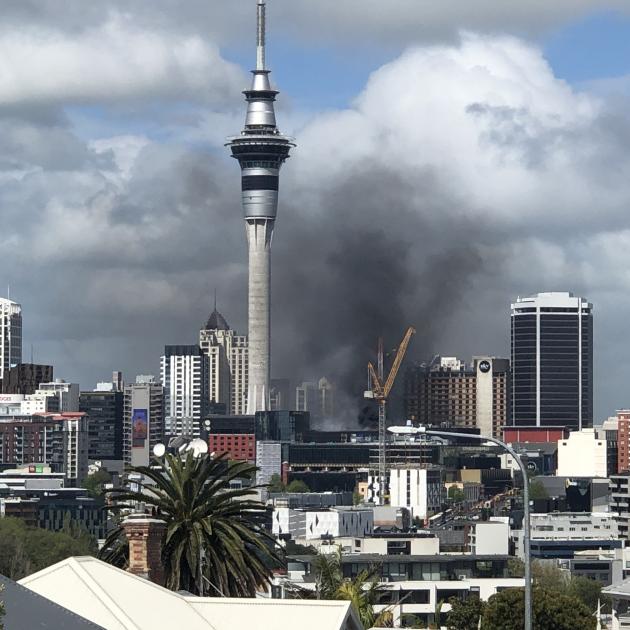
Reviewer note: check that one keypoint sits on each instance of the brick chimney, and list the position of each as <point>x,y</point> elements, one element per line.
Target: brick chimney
<point>145,536</point>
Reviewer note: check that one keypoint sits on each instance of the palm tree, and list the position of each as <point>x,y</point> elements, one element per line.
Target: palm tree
<point>363,590</point>
<point>215,534</point>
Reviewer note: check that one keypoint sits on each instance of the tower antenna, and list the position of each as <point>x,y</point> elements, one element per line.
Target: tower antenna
<point>260,37</point>
<point>215,299</point>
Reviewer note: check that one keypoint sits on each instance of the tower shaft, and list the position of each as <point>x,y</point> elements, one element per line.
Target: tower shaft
<point>260,150</point>
<point>259,234</point>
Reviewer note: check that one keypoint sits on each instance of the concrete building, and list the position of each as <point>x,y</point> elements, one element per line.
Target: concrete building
<point>420,490</point>
<point>39,403</point>
<point>447,391</point>
<point>56,439</point>
<point>491,538</point>
<point>105,410</point>
<point>227,363</point>
<point>25,378</point>
<point>67,393</point>
<point>10,335</point>
<point>184,371</point>
<point>609,431</point>
<point>143,423</point>
<point>582,455</point>
<point>623,440</point>
<point>552,361</point>
<point>260,150</point>
<point>561,535</point>
<point>268,461</point>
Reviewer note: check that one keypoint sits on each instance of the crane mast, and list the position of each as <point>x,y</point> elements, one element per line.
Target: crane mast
<point>380,391</point>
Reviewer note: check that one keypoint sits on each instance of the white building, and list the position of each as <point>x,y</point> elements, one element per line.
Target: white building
<point>315,524</point>
<point>39,403</point>
<point>582,454</point>
<point>421,490</point>
<point>228,363</point>
<point>11,404</point>
<point>184,371</point>
<point>490,538</point>
<point>268,461</point>
<point>10,335</point>
<point>68,394</point>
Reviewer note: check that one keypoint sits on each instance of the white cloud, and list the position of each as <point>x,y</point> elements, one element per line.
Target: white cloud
<point>111,62</point>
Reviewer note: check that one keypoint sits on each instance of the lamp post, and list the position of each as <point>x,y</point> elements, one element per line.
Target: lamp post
<point>510,450</point>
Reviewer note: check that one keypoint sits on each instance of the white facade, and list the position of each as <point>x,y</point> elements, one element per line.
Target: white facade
<point>268,461</point>
<point>490,538</point>
<point>76,441</point>
<point>335,522</point>
<point>418,489</point>
<point>39,403</point>
<point>574,526</point>
<point>10,335</point>
<point>68,394</point>
<point>582,455</point>
<point>184,372</point>
<point>11,404</point>
<point>228,364</point>
<point>143,425</point>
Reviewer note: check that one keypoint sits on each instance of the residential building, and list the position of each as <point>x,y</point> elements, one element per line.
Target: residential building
<point>227,354</point>
<point>39,403</point>
<point>620,502</point>
<point>488,538</point>
<point>420,490</point>
<point>582,454</point>
<point>619,595</point>
<point>126,600</point>
<point>57,439</point>
<point>67,393</point>
<point>416,584</point>
<point>561,535</point>
<point>105,410</point>
<point>448,392</point>
<point>236,446</point>
<point>184,371</point>
<point>10,335</point>
<point>623,440</point>
<point>25,378</point>
<point>552,361</point>
<point>143,421</point>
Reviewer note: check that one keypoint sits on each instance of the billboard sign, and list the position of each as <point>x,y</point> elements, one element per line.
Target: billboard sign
<point>139,427</point>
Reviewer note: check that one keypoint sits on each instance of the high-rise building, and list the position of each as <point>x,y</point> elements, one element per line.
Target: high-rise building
<point>105,423</point>
<point>280,394</point>
<point>10,335</point>
<point>24,378</point>
<point>59,440</point>
<point>260,150</point>
<point>184,371</point>
<point>447,391</point>
<point>317,397</point>
<point>552,361</point>
<point>227,363</point>
<point>143,425</point>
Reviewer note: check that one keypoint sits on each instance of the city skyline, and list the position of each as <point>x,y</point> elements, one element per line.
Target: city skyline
<point>133,170</point>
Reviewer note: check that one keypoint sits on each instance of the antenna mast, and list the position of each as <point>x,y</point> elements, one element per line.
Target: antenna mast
<point>260,37</point>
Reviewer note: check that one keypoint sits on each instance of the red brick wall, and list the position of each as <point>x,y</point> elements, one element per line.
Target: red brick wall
<point>238,446</point>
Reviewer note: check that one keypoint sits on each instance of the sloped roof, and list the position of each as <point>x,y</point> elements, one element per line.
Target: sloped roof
<point>216,321</point>
<point>118,600</point>
<point>26,610</point>
<point>620,589</point>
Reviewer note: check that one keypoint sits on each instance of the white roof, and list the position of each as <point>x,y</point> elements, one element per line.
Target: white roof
<point>118,600</point>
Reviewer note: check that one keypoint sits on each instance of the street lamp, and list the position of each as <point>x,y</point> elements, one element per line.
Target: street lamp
<point>482,438</point>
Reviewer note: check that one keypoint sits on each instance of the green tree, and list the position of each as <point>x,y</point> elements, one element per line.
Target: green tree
<point>363,590</point>
<point>464,613</point>
<point>551,611</point>
<point>95,483</point>
<point>24,549</point>
<point>588,591</point>
<point>215,534</point>
<point>455,494</point>
<point>516,568</point>
<point>297,485</point>
<point>276,484</point>
<point>537,490</point>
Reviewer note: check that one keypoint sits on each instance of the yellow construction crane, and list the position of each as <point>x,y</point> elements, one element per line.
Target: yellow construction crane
<point>379,392</point>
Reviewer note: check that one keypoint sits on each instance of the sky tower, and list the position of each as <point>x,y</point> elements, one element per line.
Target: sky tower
<point>260,150</point>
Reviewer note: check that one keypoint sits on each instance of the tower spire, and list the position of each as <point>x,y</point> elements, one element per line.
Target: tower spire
<point>260,36</point>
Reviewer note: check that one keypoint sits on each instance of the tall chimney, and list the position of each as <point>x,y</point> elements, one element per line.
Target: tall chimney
<point>145,536</point>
